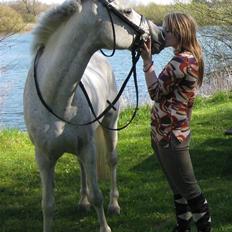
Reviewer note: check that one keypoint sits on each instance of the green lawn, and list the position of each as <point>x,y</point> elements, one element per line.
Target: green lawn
<point>145,198</point>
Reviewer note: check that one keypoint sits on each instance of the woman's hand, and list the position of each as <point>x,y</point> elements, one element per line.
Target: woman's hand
<point>146,52</point>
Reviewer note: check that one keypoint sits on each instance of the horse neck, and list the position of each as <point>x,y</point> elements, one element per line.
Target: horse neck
<point>63,63</point>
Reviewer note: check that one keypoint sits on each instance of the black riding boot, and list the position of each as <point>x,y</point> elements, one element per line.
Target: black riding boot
<point>200,211</point>
<point>183,214</point>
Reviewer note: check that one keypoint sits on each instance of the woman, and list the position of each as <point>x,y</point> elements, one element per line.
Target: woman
<point>173,92</point>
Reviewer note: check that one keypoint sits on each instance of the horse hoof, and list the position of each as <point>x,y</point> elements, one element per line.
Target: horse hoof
<point>113,210</point>
<point>84,208</point>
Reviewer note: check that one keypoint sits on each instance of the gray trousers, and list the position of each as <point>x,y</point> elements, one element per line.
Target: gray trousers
<point>177,166</point>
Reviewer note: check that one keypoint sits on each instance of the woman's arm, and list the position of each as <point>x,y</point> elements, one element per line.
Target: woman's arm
<point>150,75</point>
<point>148,68</point>
<point>171,74</point>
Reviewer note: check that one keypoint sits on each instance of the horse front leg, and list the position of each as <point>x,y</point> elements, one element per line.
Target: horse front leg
<point>88,157</point>
<point>111,138</point>
<point>114,207</point>
<point>84,204</point>
<point>46,168</point>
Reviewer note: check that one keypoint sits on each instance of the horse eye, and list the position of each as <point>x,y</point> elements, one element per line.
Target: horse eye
<point>128,11</point>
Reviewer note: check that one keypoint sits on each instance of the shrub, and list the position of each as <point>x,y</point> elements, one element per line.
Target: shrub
<point>221,97</point>
<point>154,12</point>
<point>10,20</point>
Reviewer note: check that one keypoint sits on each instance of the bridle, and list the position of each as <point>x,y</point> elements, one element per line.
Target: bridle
<point>111,9</point>
<point>135,51</point>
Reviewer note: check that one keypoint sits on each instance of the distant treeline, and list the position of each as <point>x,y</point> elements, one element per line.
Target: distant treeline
<point>206,13</point>
<point>15,14</point>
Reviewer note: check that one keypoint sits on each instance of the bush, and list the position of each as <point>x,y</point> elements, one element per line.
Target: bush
<point>28,15</point>
<point>154,12</point>
<point>206,15</point>
<point>221,97</point>
<point>10,20</point>
<point>29,9</point>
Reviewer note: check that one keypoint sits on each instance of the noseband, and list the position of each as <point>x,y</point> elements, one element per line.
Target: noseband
<point>135,57</point>
<point>137,29</point>
<point>112,9</point>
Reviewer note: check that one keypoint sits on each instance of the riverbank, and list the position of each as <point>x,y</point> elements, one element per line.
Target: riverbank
<point>219,79</point>
<point>25,28</point>
<point>145,198</point>
<point>29,27</point>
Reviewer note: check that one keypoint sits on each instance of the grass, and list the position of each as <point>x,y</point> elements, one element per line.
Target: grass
<point>145,198</point>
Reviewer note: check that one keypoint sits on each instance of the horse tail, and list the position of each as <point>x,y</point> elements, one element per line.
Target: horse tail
<point>103,170</point>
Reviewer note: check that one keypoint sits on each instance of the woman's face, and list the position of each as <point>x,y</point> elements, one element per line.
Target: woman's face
<point>170,39</point>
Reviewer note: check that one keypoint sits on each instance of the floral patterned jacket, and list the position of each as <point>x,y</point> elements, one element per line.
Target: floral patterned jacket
<point>173,93</point>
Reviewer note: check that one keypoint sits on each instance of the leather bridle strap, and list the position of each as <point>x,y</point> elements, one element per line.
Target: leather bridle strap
<point>114,10</point>
<point>135,58</point>
<point>137,29</point>
<point>114,36</point>
<point>39,53</point>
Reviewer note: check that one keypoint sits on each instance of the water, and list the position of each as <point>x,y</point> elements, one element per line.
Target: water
<point>15,59</point>
<point>14,62</point>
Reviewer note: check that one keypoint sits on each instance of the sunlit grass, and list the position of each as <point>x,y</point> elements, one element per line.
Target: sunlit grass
<point>145,198</point>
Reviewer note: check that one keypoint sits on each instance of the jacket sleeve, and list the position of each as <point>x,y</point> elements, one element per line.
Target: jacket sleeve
<point>171,75</point>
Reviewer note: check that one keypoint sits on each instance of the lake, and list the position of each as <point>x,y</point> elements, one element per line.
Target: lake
<point>15,59</point>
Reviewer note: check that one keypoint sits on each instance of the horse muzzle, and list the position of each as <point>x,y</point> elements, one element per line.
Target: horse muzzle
<point>148,29</point>
<point>157,37</point>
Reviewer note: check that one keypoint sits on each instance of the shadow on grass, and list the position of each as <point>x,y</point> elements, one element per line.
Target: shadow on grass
<point>149,164</point>
<point>213,157</point>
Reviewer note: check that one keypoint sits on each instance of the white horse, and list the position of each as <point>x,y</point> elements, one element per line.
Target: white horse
<point>71,34</point>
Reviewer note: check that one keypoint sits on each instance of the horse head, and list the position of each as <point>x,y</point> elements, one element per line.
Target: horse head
<point>113,26</point>
<point>124,28</point>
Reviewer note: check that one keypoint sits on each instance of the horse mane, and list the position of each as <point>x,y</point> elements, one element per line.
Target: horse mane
<point>51,20</point>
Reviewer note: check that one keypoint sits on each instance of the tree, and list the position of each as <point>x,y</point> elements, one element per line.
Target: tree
<point>215,17</point>
<point>29,9</point>
<point>217,36</point>
<point>31,6</point>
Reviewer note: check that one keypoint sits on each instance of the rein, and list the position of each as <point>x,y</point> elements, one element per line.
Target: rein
<point>135,57</point>
<point>139,31</point>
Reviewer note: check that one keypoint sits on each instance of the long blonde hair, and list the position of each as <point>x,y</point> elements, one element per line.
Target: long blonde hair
<point>184,28</point>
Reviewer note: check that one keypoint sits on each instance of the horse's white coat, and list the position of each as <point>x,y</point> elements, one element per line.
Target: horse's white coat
<point>71,34</point>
